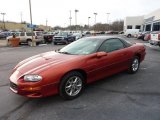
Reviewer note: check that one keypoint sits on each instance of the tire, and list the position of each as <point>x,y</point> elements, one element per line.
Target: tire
<point>71,85</point>
<point>55,43</point>
<point>134,66</point>
<point>129,35</point>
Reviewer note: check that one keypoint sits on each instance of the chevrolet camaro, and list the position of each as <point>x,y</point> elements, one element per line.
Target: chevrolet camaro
<point>66,71</point>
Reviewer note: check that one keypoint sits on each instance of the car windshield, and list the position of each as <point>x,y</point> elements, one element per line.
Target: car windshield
<point>62,34</point>
<point>39,33</point>
<point>83,46</point>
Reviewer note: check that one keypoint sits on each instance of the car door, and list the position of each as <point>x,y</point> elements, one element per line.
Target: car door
<point>22,36</point>
<point>116,60</point>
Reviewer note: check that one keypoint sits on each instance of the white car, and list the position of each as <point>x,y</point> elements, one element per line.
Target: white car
<point>77,35</point>
<point>26,37</point>
<point>155,38</point>
<point>132,32</point>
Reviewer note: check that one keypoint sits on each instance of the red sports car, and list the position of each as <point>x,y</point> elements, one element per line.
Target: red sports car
<point>66,71</point>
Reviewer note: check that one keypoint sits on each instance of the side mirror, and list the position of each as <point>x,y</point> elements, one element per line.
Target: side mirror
<point>101,54</point>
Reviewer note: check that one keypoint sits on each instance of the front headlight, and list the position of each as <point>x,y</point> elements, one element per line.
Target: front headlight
<point>32,78</point>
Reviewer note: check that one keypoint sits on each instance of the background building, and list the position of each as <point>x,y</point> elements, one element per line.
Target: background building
<point>148,22</point>
<point>133,22</point>
<point>21,26</point>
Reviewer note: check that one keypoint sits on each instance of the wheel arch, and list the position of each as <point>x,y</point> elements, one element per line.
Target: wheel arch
<point>138,55</point>
<point>83,72</point>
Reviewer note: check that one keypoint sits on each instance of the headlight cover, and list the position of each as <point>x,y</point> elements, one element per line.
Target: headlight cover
<point>32,78</point>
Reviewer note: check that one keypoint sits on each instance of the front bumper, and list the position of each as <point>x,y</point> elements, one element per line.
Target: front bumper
<point>33,91</point>
<point>154,42</point>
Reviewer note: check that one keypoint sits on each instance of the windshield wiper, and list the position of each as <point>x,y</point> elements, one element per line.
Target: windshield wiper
<point>63,52</point>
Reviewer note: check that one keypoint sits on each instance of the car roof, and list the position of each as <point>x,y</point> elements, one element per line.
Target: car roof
<point>102,37</point>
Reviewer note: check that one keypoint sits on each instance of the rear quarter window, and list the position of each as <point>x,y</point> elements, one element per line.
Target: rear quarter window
<point>30,34</point>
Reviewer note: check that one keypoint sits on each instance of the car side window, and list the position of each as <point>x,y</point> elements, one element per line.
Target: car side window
<point>111,45</point>
<point>22,34</point>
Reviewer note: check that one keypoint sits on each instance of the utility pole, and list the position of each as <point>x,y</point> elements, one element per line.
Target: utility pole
<point>95,17</point>
<point>76,18</point>
<point>46,24</point>
<point>108,20</point>
<point>70,19</point>
<point>30,8</point>
<point>88,21</point>
<point>3,20</point>
<point>21,17</point>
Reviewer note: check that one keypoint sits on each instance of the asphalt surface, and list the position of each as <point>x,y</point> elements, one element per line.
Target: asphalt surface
<point>119,97</point>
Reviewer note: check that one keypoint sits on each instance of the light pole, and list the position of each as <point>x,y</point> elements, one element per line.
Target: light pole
<point>88,21</point>
<point>30,8</point>
<point>3,20</point>
<point>46,23</point>
<point>108,17</point>
<point>108,20</point>
<point>70,19</point>
<point>76,18</point>
<point>95,17</point>
<point>21,16</point>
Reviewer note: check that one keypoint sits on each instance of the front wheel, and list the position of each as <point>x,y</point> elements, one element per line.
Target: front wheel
<point>71,85</point>
<point>134,65</point>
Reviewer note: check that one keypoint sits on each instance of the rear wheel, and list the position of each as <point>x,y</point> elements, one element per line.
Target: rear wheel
<point>129,35</point>
<point>71,85</point>
<point>134,66</point>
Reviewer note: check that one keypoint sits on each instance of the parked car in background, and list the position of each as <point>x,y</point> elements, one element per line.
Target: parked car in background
<point>63,37</point>
<point>5,34</point>
<point>67,71</point>
<point>147,36</point>
<point>2,36</point>
<point>121,32</point>
<point>48,37</point>
<point>26,37</point>
<point>132,32</point>
<point>142,35</point>
<point>155,38</point>
<point>17,34</point>
<point>77,35</point>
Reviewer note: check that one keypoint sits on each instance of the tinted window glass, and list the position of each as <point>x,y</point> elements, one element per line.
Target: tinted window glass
<point>111,45</point>
<point>22,34</point>
<point>39,33</point>
<point>30,34</point>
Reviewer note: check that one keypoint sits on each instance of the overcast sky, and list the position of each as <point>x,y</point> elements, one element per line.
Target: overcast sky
<point>57,11</point>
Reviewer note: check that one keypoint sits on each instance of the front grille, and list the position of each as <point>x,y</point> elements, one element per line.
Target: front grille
<point>13,86</point>
<point>58,38</point>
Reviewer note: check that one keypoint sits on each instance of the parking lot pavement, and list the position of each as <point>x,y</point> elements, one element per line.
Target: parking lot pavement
<point>119,97</point>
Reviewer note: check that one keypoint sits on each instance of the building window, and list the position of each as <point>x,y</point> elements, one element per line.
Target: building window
<point>138,27</point>
<point>156,26</point>
<point>129,27</point>
<point>148,27</point>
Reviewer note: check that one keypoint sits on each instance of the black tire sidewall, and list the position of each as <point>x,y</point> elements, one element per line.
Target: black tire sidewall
<point>130,68</point>
<point>62,91</point>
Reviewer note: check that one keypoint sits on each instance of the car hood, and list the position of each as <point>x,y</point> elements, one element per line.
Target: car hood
<point>38,63</point>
